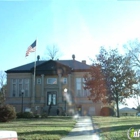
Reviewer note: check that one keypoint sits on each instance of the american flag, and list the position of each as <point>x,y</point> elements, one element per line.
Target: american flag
<point>31,48</point>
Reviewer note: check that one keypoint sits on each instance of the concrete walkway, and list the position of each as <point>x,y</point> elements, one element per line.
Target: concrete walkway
<point>83,130</point>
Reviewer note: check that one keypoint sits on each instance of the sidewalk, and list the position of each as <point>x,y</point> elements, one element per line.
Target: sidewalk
<point>83,130</point>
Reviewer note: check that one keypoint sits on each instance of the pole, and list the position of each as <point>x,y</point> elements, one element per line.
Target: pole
<point>22,103</point>
<point>65,95</point>
<point>33,97</point>
<point>65,105</point>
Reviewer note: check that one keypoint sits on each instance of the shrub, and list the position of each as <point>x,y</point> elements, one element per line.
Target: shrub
<point>37,116</point>
<point>19,115</point>
<point>25,115</point>
<point>107,111</point>
<point>44,115</point>
<point>7,113</point>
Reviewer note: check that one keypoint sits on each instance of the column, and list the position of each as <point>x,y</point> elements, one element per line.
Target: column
<point>33,92</point>
<point>42,88</point>
<point>69,86</point>
<point>60,88</point>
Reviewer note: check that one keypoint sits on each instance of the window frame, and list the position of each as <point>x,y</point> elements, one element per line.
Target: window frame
<point>51,83</point>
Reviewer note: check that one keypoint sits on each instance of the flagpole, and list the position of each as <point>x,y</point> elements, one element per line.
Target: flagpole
<point>33,100</point>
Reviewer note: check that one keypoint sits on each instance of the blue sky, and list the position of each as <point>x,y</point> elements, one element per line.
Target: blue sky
<point>77,27</point>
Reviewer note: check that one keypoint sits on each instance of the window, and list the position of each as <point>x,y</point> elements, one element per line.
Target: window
<point>78,83</point>
<point>14,81</point>
<point>51,80</point>
<point>64,80</point>
<point>14,90</point>
<point>26,81</point>
<point>18,85</point>
<point>14,87</point>
<point>38,80</point>
<point>20,88</point>
<point>51,97</point>
<point>78,87</point>
<point>20,81</point>
<point>85,92</point>
<point>80,91</point>
<point>26,87</point>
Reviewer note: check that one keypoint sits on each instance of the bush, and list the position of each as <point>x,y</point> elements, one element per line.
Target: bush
<point>27,115</point>
<point>37,116</point>
<point>44,115</point>
<point>7,113</point>
<point>107,111</point>
<point>19,115</point>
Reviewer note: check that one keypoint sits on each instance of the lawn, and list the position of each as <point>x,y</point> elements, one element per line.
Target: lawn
<point>51,128</point>
<point>113,128</point>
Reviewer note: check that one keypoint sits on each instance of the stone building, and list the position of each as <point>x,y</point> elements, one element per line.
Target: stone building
<point>57,82</point>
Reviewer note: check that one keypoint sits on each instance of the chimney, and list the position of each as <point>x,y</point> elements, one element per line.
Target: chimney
<point>84,61</point>
<point>73,57</point>
<point>38,57</point>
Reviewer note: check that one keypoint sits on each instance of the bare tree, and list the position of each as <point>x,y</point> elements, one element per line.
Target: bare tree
<point>52,52</point>
<point>133,52</point>
<point>2,86</point>
<point>2,78</point>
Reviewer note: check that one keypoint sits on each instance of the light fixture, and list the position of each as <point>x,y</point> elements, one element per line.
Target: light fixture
<point>65,90</point>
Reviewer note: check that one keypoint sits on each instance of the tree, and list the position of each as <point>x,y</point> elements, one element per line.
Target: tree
<point>107,111</point>
<point>138,108</point>
<point>95,83</point>
<point>136,95</point>
<point>118,75</point>
<point>7,113</point>
<point>133,52</point>
<point>2,78</point>
<point>2,86</point>
<point>52,52</point>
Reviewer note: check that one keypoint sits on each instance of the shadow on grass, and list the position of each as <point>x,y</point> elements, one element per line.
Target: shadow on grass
<point>116,121</point>
<point>54,125</point>
<point>45,132</point>
<point>58,132</point>
<point>45,119</point>
<point>40,125</point>
<point>117,128</point>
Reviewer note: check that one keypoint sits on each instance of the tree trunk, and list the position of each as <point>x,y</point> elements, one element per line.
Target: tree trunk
<point>118,115</point>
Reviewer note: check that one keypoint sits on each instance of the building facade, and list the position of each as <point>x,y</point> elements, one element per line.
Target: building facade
<point>56,84</point>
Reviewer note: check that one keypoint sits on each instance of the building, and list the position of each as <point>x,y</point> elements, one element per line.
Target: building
<point>128,112</point>
<point>57,82</point>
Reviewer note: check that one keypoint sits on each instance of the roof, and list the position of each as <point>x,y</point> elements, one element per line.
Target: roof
<point>72,64</point>
<point>127,110</point>
<point>25,68</point>
<point>75,65</point>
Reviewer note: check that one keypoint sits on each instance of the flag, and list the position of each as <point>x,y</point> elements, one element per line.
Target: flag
<point>31,48</point>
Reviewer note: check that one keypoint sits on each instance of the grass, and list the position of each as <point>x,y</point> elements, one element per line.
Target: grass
<point>113,128</point>
<point>51,128</point>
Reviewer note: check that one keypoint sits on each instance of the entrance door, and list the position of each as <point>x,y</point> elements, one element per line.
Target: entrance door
<point>51,98</point>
